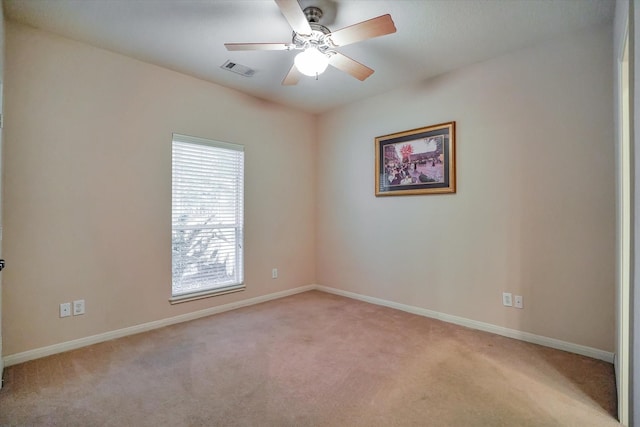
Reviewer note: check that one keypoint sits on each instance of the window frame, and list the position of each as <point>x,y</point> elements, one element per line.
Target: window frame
<point>238,285</point>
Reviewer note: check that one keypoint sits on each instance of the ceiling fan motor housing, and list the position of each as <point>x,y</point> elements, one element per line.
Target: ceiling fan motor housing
<point>318,38</point>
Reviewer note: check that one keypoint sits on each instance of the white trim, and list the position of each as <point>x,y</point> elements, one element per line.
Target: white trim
<point>474,324</point>
<point>624,168</point>
<point>207,294</point>
<point>210,142</point>
<point>14,359</point>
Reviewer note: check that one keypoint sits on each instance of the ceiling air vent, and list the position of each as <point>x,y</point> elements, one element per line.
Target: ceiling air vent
<point>243,70</point>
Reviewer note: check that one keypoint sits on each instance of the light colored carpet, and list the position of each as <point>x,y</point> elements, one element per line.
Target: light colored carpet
<point>313,359</point>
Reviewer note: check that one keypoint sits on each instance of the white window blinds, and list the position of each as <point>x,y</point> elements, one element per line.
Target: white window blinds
<point>207,216</point>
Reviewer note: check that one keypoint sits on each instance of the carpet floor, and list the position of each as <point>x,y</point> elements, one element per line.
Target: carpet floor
<point>312,359</point>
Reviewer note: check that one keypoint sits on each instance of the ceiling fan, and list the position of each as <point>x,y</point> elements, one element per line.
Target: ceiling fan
<point>318,43</point>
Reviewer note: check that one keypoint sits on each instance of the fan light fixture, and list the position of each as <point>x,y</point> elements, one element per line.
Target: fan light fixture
<point>317,43</point>
<point>311,62</point>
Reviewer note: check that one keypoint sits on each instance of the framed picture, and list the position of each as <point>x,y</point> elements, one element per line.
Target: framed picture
<point>418,161</point>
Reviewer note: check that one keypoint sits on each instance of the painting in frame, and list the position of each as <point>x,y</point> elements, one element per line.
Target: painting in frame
<point>418,161</point>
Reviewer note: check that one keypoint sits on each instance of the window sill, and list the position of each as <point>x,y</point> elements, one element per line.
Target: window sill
<point>206,294</point>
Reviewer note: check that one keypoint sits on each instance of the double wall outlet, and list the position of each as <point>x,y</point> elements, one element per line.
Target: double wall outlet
<point>274,273</point>
<point>509,300</point>
<point>78,307</point>
<point>66,307</point>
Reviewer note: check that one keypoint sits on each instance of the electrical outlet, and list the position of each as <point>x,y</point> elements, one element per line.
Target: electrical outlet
<point>78,307</point>
<point>274,273</point>
<point>517,301</point>
<point>65,309</point>
<point>506,299</point>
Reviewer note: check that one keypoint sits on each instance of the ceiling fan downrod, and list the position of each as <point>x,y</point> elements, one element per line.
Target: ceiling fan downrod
<point>313,14</point>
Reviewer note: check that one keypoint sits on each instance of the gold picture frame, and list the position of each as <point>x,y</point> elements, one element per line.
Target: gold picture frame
<point>417,161</point>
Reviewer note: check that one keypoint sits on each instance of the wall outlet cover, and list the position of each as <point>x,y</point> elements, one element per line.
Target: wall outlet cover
<point>507,299</point>
<point>78,307</point>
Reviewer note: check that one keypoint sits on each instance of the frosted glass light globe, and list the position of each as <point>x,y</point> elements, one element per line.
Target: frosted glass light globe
<point>311,62</point>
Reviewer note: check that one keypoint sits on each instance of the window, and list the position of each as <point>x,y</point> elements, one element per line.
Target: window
<point>207,218</point>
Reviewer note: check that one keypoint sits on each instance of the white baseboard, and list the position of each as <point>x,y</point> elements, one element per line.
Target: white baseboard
<point>14,359</point>
<point>487,327</point>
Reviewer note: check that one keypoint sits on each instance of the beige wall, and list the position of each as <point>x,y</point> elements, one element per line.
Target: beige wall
<point>88,187</point>
<point>87,191</point>
<point>534,213</point>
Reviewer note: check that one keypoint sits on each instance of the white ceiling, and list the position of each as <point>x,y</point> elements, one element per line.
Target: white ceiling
<point>433,36</point>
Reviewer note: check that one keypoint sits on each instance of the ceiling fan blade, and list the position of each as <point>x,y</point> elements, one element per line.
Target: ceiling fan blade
<point>294,16</point>
<point>257,46</point>
<point>375,27</point>
<point>350,66</point>
<point>293,77</point>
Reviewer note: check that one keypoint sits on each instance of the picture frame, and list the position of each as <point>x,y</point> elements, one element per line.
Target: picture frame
<point>417,161</point>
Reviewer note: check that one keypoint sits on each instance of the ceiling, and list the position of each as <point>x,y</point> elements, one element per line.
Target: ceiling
<point>433,37</point>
